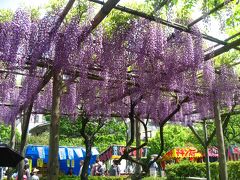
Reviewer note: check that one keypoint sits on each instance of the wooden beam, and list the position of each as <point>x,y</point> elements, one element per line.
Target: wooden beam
<point>226,40</point>
<point>105,10</point>
<point>222,50</point>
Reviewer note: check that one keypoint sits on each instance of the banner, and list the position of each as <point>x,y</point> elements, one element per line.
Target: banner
<point>41,152</point>
<point>62,153</point>
<point>182,153</point>
<point>115,151</point>
<point>39,162</point>
<point>70,153</point>
<point>78,151</point>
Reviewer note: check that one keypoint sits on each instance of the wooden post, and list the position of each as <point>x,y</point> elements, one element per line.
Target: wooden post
<point>206,151</point>
<point>138,139</point>
<point>220,140</point>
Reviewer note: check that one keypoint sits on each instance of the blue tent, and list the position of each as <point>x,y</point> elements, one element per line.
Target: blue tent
<point>66,156</point>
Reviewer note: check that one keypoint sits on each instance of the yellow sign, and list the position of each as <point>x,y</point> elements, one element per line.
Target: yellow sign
<point>72,163</point>
<point>68,162</point>
<point>182,153</point>
<point>39,162</point>
<point>30,164</point>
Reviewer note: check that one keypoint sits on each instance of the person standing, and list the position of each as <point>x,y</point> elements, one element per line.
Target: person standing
<point>1,173</point>
<point>81,167</point>
<point>99,169</point>
<point>153,168</point>
<point>27,171</point>
<point>34,176</point>
<point>114,169</point>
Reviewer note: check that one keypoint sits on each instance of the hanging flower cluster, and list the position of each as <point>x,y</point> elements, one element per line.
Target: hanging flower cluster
<point>103,74</point>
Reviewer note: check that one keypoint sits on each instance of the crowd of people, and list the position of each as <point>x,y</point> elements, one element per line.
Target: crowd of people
<point>27,175</point>
<point>99,169</point>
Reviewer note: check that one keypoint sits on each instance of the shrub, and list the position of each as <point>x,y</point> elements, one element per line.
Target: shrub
<point>105,178</point>
<point>190,169</point>
<point>91,178</point>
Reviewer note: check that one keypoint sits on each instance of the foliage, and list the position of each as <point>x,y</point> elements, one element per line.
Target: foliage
<point>174,136</point>
<point>118,19</point>
<point>79,9</point>
<point>5,15</point>
<point>113,132</point>
<point>180,136</point>
<point>43,139</point>
<point>186,169</point>
<point>199,129</point>
<point>232,133</point>
<point>5,133</point>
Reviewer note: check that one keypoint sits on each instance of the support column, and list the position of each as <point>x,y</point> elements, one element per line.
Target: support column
<point>220,140</point>
<point>206,151</point>
<point>138,156</point>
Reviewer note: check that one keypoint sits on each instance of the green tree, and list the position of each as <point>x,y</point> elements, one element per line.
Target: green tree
<point>232,133</point>
<point>174,136</point>
<point>113,132</point>
<point>5,133</point>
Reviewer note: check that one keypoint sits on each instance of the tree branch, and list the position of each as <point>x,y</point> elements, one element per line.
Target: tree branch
<point>186,99</point>
<point>197,135</point>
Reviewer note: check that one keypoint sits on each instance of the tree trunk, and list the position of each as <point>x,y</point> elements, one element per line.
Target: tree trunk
<point>88,146</point>
<point>12,144</point>
<point>13,135</point>
<point>220,140</point>
<point>25,124</point>
<point>53,164</point>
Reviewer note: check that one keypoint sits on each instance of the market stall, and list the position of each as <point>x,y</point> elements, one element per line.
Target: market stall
<point>115,152</point>
<point>213,154</point>
<point>69,157</point>
<point>233,153</point>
